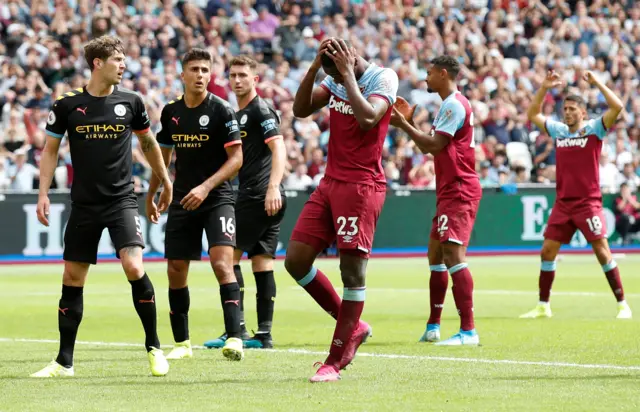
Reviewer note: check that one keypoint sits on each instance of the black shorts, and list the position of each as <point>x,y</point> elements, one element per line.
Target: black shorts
<point>183,237</point>
<point>257,231</point>
<point>85,227</point>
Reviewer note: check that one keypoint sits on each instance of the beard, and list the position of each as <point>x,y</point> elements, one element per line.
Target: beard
<point>430,90</point>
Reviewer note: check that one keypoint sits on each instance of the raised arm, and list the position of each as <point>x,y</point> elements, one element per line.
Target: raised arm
<point>369,111</point>
<point>613,101</point>
<point>535,108</point>
<point>309,99</point>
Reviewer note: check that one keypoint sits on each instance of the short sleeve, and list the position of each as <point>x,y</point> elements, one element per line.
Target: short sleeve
<point>164,136</point>
<point>328,84</point>
<point>450,118</point>
<point>140,122</point>
<point>269,124</point>
<point>384,85</point>
<point>555,129</point>
<point>57,121</point>
<point>598,127</point>
<point>231,126</point>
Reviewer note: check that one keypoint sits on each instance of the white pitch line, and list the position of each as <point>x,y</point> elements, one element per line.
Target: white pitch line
<point>368,355</point>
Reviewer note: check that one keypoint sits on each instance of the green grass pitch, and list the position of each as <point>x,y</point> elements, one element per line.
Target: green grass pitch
<point>582,359</point>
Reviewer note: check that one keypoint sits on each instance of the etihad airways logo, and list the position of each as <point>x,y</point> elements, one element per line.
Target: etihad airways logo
<point>101,131</point>
<point>574,142</point>
<point>340,106</point>
<point>189,141</point>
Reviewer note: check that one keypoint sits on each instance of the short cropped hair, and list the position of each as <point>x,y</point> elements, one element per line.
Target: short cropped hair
<point>575,98</point>
<point>102,48</point>
<point>196,54</point>
<point>244,60</point>
<point>449,63</point>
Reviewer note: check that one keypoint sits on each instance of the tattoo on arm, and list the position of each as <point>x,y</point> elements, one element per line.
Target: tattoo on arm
<point>147,141</point>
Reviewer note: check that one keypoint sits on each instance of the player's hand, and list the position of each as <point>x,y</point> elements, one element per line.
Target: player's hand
<point>590,77</point>
<point>43,210</point>
<point>317,62</point>
<point>194,198</point>
<point>397,119</point>
<point>404,108</point>
<point>343,56</point>
<point>151,209</point>
<point>273,201</point>
<point>552,80</point>
<point>165,197</point>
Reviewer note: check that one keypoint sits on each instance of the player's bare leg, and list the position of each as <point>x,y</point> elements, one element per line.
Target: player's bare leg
<point>299,264</point>
<point>350,331</point>
<point>438,283</point>
<point>70,310</point>
<point>610,267</point>
<point>548,254</point>
<point>455,258</point>
<point>221,258</point>
<point>262,267</point>
<point>144,301</point>
<point>179,302</point>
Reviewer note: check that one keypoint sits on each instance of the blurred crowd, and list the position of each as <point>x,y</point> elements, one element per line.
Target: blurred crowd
<point>505,46</point>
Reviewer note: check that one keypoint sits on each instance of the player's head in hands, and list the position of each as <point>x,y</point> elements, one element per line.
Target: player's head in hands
<point>243,75</point>
<point>196,71</point>
<point>575,110</point>
<point>442,74</point>
<point>105,57</point>
<point>329,66</point>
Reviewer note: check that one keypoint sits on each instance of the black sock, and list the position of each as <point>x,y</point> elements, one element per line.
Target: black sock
<point>144,300</point>
<point>265,299</point>
<point>69,317</point>
<point>238,272</point>
<point>179,302</point>
<point>230,297</point>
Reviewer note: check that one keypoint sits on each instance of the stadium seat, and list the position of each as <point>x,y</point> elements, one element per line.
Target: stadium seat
<point>518,152</point>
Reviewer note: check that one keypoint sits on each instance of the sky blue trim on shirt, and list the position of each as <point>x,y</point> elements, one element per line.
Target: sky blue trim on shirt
<point>56,135</point>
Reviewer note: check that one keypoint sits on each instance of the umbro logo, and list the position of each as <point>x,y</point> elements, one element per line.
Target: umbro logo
<point>338,343</point>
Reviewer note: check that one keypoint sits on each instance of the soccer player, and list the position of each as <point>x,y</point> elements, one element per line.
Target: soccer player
<point>260,205</point>
<point>578,202</point>
<point>204,132</point>
<point>98,120</point>
<point>458,194</point>
<point>350,197</point>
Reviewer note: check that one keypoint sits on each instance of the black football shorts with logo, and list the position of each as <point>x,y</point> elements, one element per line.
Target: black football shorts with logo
<point>258,232</point>
<point>183,233</point>
<point>85,227</point>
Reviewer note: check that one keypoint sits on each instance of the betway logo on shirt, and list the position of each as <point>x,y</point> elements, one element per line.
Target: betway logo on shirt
<point>574,142</point>
<point>340,106</point>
